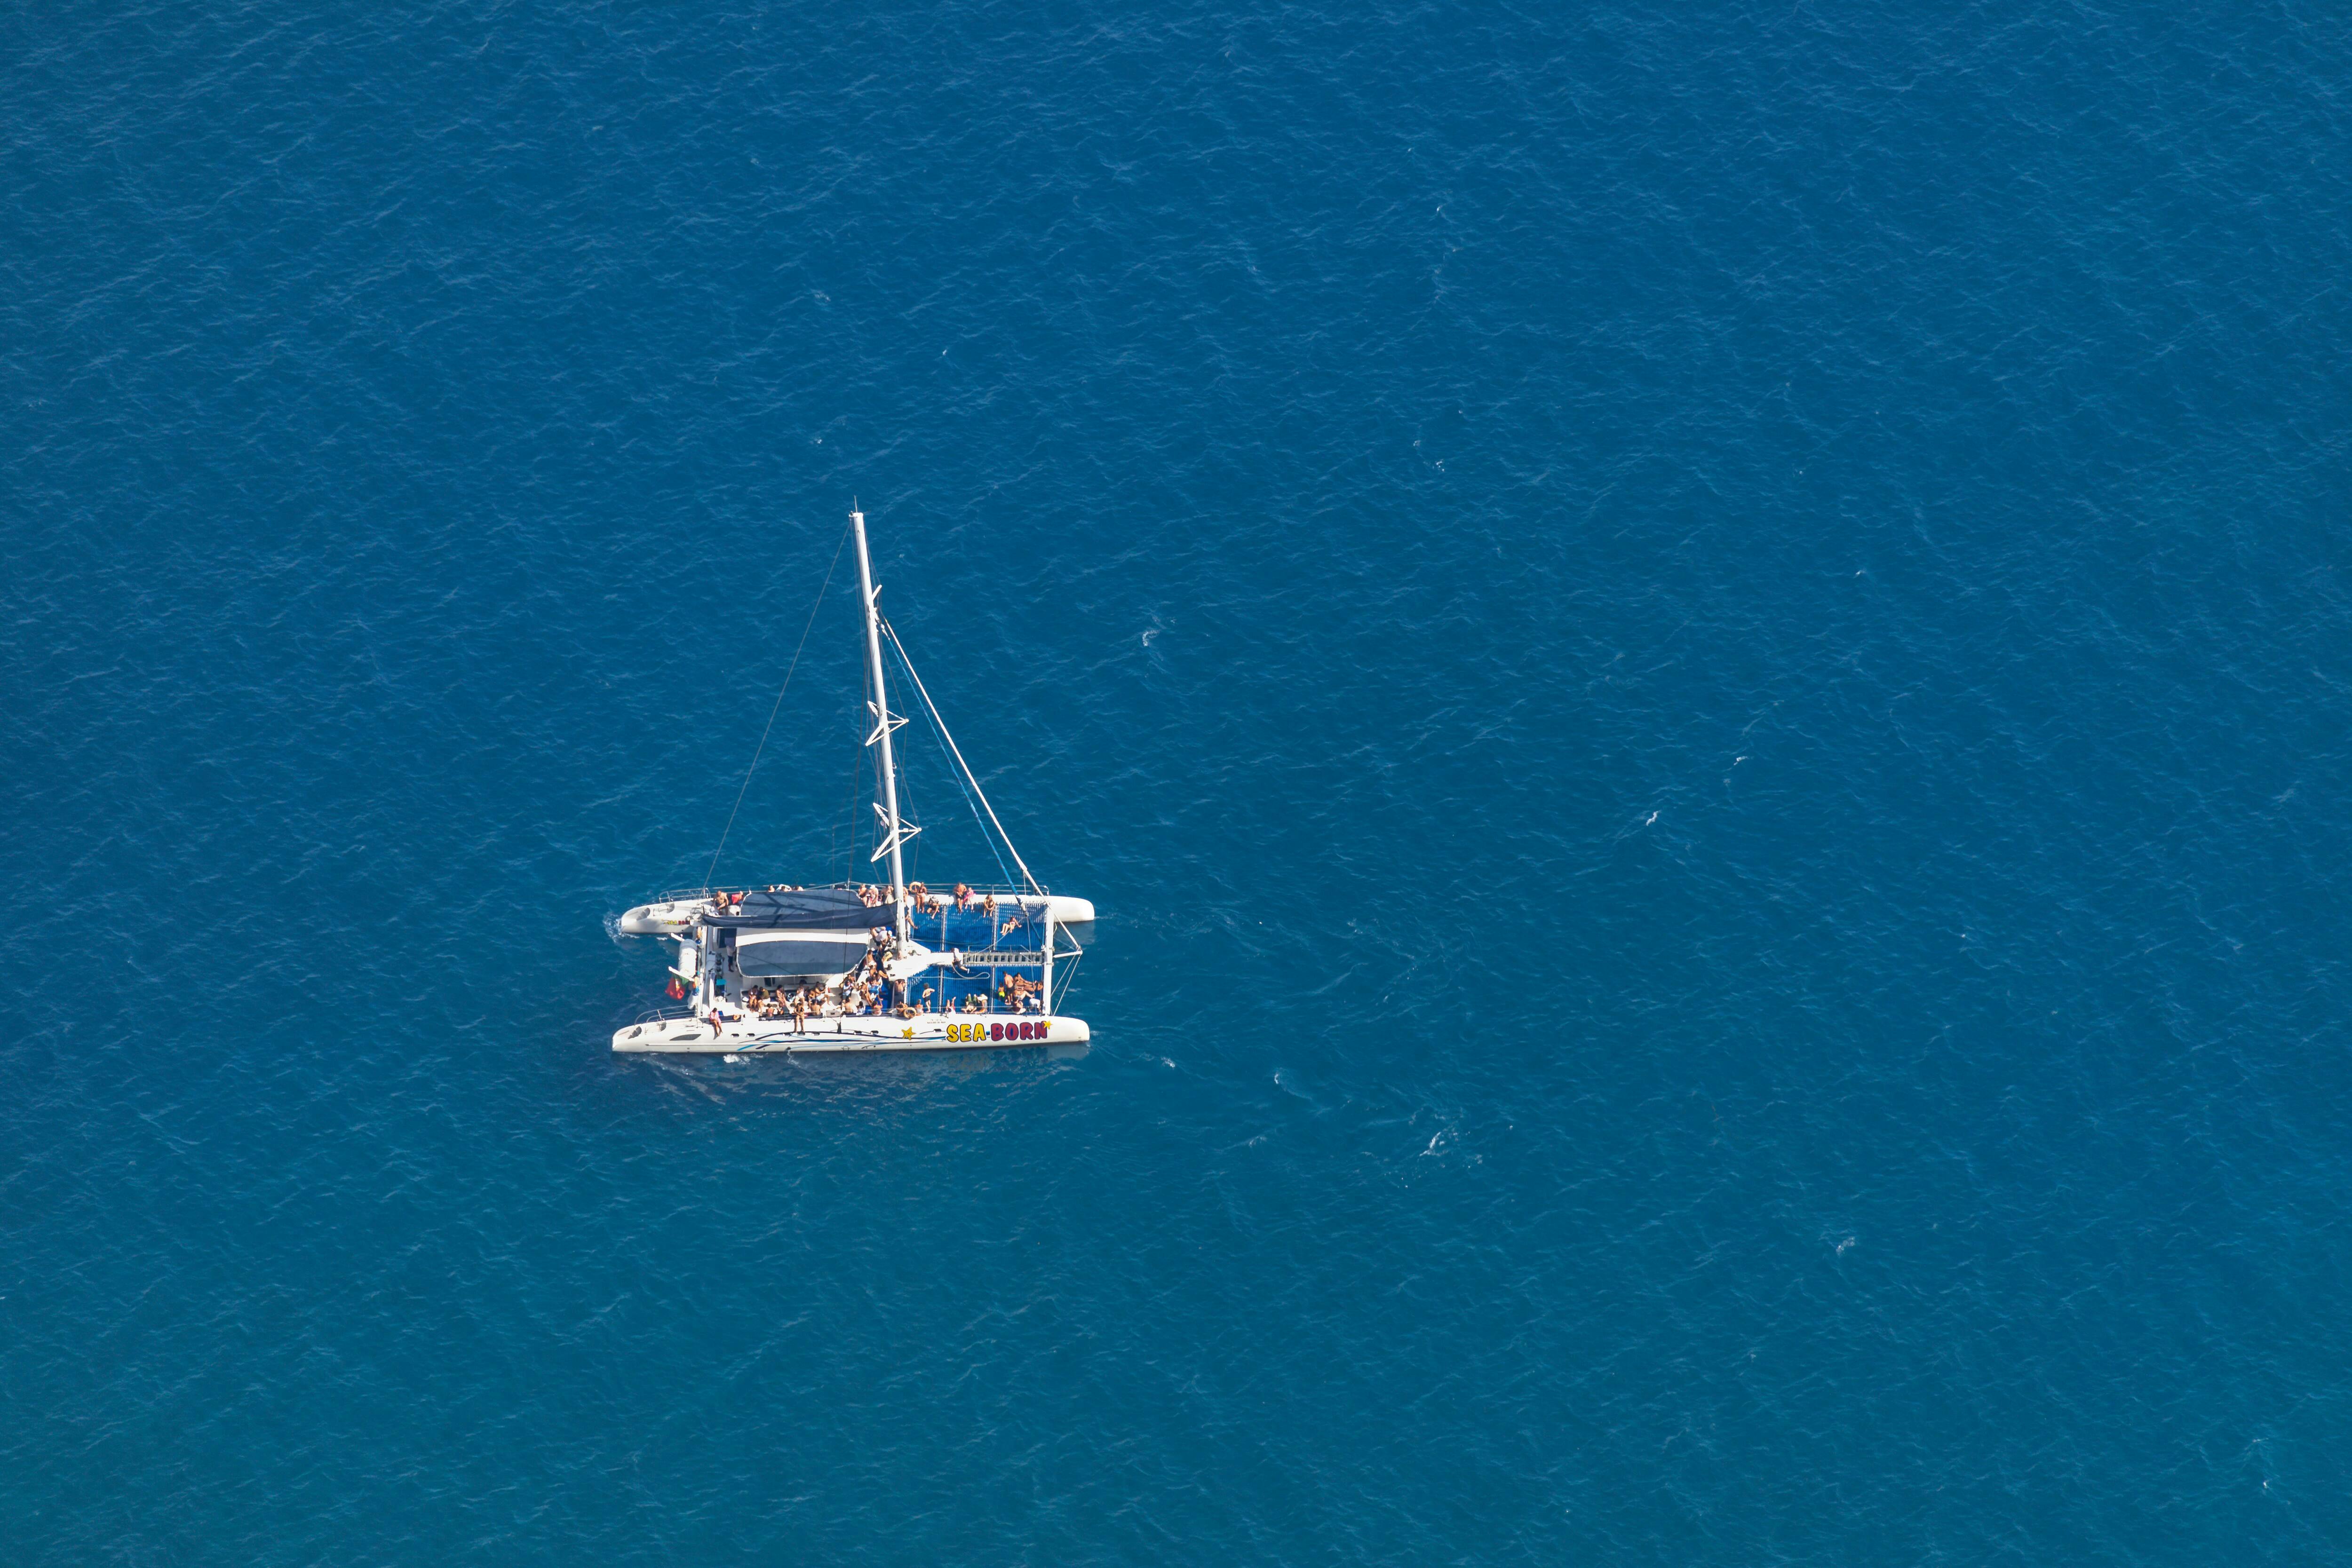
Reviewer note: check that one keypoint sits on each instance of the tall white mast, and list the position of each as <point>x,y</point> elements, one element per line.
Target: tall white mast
<point>886,809</point>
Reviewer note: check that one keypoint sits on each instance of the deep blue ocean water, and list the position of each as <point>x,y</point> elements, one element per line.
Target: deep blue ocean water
<point>1697,655</point>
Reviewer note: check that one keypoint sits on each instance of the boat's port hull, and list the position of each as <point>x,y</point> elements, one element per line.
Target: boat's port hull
<point>691,1037</point>
<point>677,917</point>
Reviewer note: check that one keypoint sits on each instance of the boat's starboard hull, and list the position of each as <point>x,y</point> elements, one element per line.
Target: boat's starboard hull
<point>772,1037</point>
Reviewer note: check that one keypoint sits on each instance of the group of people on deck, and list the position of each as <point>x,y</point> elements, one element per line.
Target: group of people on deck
<point>867,991</point>
<point>925,901</point>
<point>722,903</point>
<point>922,901</point>
<point>916,895</point>
<point>867,997</point>
<point>858,997</point>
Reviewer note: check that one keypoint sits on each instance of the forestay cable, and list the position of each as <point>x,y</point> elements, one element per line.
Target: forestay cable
<point>957,755</point>
<point>962,788</point>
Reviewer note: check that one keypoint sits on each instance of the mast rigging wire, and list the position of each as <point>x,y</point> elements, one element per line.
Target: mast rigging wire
<point>961,789</point>
<point>958,753</point>
<point>776,707</point>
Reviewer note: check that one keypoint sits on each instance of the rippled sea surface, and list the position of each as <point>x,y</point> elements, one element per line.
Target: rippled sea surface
<point>1696,654</point>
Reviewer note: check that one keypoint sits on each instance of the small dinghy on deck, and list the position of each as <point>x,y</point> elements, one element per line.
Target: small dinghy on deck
<point>787,970</point>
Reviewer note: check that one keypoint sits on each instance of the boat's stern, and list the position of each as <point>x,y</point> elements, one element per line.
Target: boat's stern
<point>659,919</point>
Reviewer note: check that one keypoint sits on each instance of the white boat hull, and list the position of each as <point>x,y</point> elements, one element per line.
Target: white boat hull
<point>677,916</point>
<point>659,919</point>
<point>774,1037</point>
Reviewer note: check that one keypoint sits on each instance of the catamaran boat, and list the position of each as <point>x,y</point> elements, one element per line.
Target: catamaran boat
<point>787,970</point>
